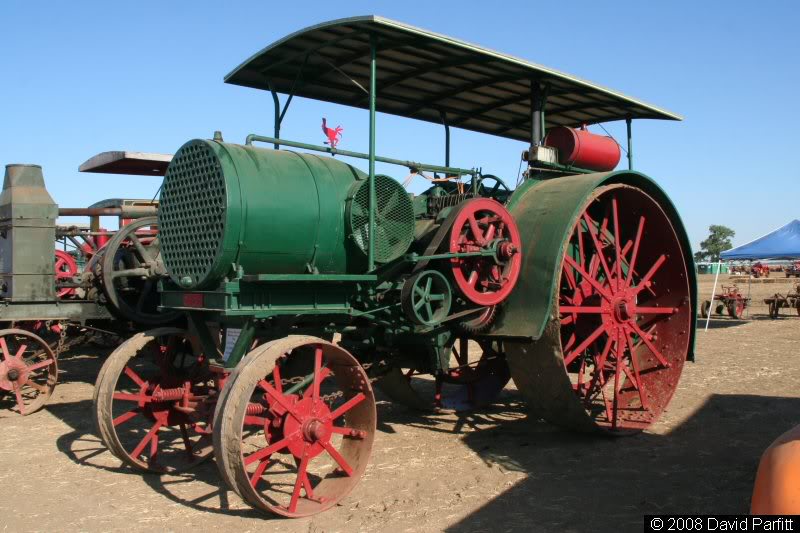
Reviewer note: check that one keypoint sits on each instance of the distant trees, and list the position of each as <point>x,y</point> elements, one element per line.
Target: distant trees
<point>719,240</point>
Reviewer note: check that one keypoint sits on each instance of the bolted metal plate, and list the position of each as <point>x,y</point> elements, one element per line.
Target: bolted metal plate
<point>394,218</point>
<point>191,214</point>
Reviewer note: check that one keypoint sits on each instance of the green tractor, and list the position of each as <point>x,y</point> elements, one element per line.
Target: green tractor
<point>305,281</point>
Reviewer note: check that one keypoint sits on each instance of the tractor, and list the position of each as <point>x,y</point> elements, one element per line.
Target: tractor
<point>307,282</point>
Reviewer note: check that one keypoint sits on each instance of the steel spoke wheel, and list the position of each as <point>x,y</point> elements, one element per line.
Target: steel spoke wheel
<point>480,224</point>
<point>131,268</point>
<point>612,354</point>
<point>28,370</point>
<point>294,430</point>
<point>477,374</point>
<point>153,400</point>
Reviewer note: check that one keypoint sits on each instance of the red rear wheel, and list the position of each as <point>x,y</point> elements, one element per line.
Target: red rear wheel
<point>622,319</point>
<point>28,369</point>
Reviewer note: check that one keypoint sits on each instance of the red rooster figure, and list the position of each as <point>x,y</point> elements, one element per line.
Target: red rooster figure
<point>333,135</point>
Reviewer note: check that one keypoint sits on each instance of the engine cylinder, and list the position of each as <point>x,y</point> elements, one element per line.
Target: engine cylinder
<point>265,211</point>
<point>584,149</point>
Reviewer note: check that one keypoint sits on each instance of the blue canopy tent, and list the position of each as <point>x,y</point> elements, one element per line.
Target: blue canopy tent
<point>783,243</point>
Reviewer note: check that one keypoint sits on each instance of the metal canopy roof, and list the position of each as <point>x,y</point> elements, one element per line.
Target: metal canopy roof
<point>422,74</point>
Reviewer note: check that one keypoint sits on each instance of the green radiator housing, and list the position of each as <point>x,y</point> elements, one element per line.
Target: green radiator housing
<point>227,207</point>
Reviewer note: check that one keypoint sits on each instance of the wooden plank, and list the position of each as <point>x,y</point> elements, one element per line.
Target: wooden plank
<point>131,163</point>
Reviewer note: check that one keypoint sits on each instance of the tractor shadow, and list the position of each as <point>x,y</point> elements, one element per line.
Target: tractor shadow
<point>579,482</point>
<point>200,488</point>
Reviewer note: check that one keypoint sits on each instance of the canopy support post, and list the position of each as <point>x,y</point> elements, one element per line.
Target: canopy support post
<point>373,49</point>
<point>277,105</point>
<point>630,144</point>
<point>446,138</point>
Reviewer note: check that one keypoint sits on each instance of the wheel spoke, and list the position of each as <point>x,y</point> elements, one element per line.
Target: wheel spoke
<point>580,309</point>
<point>349,432</point>
<point>334,453</point>
<point>256,477</point>
<point>617,371</point>
<point>635,253</point>
<point>280,398</point>
<point>596,284</point>
<point>298,483</point>
<point>21,351</point>
<point>476,231</point>
<point>323,375</point>
<point>125,417</point>
<point>598,247</point>
<point>635,364</point>
<point>143,443</point>
<point>346,406</point>
<point>646,339</point>
<point>585,344</point>
<point>41,364</point>
<point>135,377</point>
<point>656,310</point>
<point>128,397</point>
<point>317,378</point>
<point>264,453</point>
<point>37,386</point>
<point>618,261</point>
<point>20,401</point>
<point>143,252</point>
<point>4,347</point>
<point>276,379</point>
<point>650,273</point>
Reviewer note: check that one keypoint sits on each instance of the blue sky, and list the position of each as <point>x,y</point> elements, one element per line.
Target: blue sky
<point>79,78</point>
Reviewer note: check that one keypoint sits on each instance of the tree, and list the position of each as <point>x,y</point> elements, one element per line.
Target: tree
<point>719,240</point>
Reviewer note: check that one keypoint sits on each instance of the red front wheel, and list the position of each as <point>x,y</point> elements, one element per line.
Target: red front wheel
<point>294,431</point>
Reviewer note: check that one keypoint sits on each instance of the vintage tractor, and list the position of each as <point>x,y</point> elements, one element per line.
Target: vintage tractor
<point>99,282</point>
<point>729,301</point>
<point>305,280</point>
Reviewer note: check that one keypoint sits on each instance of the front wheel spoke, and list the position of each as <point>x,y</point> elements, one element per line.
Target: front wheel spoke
<point>317,377</point>
<point>334,453</point>
<point>128,397</point>
<point>346,406</point>
<point>121,419</point>
<point>5,350</point>
<point>280,398</point>
<point>264,453</point>
<point>599,248</point>
<point>256,477</point>
<point>137,452</point>
<point>323,375</point>
<point>298,483</point>
<point>135,377</point>
<point>21,351</point>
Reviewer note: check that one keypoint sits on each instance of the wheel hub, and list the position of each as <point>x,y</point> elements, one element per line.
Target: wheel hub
<point>13,374</point>
<point>308,435</point>
<point>623,310</point>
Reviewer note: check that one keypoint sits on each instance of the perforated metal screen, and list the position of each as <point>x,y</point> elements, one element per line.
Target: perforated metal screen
<point>394,218</point>
<point>191,214</point>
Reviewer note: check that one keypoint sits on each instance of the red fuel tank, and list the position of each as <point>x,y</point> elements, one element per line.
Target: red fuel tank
<point>583,149</point>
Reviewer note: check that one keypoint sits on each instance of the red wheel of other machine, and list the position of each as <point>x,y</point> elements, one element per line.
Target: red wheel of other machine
<point>66,269</point>
<point>28,369</point>
<point>483,224</point>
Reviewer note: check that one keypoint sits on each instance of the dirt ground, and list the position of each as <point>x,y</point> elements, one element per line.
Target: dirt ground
<point>496,470</point>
